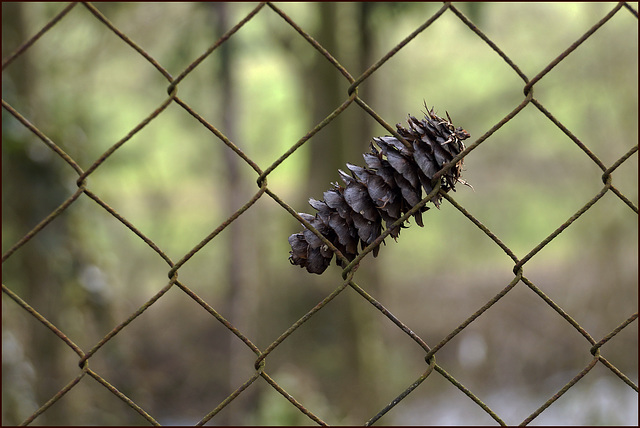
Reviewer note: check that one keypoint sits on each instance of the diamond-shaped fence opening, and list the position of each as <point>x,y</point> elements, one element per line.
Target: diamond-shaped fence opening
<point>156,155</point>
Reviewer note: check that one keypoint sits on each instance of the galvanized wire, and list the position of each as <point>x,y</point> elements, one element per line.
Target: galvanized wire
<point>348,274</point>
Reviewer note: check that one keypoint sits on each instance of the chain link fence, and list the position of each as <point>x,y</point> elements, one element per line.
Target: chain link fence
<point>350,278</point>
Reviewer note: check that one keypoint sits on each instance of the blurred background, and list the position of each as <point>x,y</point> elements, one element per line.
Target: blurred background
<point>264,89</point>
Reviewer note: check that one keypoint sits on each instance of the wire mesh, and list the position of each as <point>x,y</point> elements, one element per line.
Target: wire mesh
<point>349,275</point>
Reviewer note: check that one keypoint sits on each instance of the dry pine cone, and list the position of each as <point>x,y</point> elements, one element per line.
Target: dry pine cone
<point>389,186</point>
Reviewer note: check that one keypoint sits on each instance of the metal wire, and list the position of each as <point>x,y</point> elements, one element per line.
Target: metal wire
<point>432,368</point>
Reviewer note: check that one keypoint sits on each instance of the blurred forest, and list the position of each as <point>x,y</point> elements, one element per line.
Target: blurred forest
<point>264,89</point>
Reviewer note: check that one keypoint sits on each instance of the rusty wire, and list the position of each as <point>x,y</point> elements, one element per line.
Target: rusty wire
<point>351,97</point>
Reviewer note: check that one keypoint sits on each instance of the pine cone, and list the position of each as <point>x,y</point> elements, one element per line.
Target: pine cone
<point>389,186</point>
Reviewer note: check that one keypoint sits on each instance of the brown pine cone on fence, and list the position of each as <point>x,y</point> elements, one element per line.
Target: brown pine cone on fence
<point>387,187</point>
